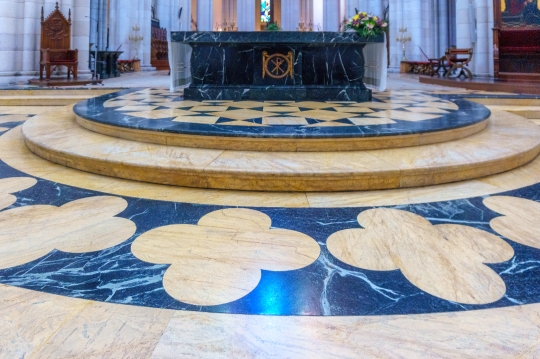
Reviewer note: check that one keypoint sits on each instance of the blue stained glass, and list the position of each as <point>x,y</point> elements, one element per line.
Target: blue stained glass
<point>265,11</point>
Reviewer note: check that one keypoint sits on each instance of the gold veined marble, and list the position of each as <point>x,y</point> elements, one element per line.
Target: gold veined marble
<point>120,103</point>
<point>403,116</point>
<point>519,221</point>
<point>13,118</point>
<point>58,138</point>
<point>84,225</point>
<point>137,108</point>
<point>494,333</point>
<point>27,110</point>
<point>39,325</point>
<point>447,261</point>
<point>42,325</point>
<point>14,152</point>
<point>13,185</point>
<point>220,259</point>
<point>101,330</point>
<point>396,104</point>
<point>159,114</point>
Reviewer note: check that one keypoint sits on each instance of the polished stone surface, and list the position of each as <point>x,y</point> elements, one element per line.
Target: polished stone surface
<point>356,299</point>
<point>279,65</point>
<point>322,288</point>
<point>59,138</point>
<point>389,114</point>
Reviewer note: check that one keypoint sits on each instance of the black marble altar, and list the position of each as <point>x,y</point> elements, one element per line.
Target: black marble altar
<point>319,66</point>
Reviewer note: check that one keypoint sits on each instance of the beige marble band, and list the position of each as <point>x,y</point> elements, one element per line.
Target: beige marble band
<point>58,138</point>
<point>40,325</point>
<point>281,144</point>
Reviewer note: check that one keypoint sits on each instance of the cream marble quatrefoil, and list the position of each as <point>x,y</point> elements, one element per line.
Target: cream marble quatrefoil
<point>13,185</point>
<point>520,219</point>
<point>85,225</point>
<point>444,260</point>
<point>220,259</point>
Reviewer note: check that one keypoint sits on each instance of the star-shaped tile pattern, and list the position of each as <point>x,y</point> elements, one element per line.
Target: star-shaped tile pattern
<point>387,108</point>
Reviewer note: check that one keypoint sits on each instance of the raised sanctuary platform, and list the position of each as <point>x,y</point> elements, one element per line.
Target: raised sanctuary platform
<point>421,156</point>
<point>305,126</point>
<point>276,65</point>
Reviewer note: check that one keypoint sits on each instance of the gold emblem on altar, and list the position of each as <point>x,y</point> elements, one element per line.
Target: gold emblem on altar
<point>278,66</point>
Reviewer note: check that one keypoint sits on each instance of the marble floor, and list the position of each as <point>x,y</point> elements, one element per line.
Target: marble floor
<point>101,267</point>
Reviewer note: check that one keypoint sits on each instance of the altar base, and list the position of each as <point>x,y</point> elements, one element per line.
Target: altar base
<point>276,66</point>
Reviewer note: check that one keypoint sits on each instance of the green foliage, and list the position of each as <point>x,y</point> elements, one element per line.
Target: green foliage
<point>273,26</point>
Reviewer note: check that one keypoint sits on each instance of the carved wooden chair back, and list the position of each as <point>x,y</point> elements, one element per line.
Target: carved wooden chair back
<point>56,30</point>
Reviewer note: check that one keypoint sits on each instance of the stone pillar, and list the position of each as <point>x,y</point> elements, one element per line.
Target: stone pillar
<point>10,47</point>
<point>80,33</point>
<point>331,14</point>
<point>483,56</point>
<point>145,16</point>
<point>125,18</point>
<point>31,38</point>
<point>246,19</point>
<point>318,15</point>
<point>306,11</point>
<point>290,10</point>
<point>205,15</point>
<point>396,21</point>
<point>462,24</point>
<point>414,24</point>
<point>442,26</point>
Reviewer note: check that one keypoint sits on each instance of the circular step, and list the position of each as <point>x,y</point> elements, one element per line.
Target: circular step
<point>509,142</point>
<point>390,121</point>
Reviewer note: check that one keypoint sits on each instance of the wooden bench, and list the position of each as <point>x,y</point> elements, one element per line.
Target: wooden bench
<point>459,59</point>
<point>55,44</point>
<point>519,54</point>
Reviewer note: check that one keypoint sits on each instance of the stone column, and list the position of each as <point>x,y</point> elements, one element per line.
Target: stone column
<point>396,21</point>
<point>10,47</point>
<point>245,15</point>
<point>145,16</point>
<point>31,38</point>
<point>290,11</point>
<point>318,15</point>
<point>331,18</point>
<point>205,15</point>
<point>442,27</point>
<point>463,27</point>
<point>80,33</point>
<point>483,56</point>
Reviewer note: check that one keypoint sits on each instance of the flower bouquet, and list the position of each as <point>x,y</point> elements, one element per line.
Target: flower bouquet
<point>366,25</point>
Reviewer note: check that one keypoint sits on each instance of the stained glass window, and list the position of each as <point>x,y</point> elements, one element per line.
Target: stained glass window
<point>266,7</point>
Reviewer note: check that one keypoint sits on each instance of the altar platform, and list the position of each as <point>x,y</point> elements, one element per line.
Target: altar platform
<point>399,140</point>
<point>283,126</point>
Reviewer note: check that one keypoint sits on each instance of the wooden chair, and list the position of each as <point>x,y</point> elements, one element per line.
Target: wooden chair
<point>55,44</point>
<point>459,59</point>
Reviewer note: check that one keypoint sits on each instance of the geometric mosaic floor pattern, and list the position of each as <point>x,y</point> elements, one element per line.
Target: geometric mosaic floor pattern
<point>104,240</point>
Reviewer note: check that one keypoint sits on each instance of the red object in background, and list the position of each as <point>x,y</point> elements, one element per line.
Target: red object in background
<point>515,7</point>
